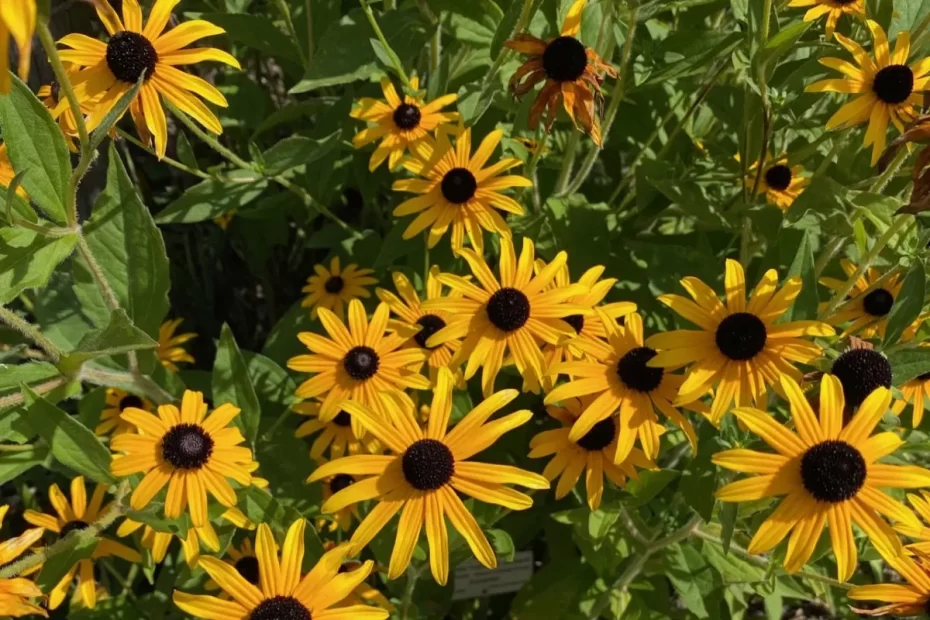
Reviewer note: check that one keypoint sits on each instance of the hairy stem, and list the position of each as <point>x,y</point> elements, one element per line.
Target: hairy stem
<point>165,159</point>
<point>31,332</point>
<point>115,378</point>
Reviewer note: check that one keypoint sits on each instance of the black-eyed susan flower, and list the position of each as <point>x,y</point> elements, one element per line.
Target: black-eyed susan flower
<point>282,591</point>
<point>592,455</point>
<point>398,123</point>
<point>16,592</point>
<point>833,9</point>
<point>109,70</point>
<point>829,473</point>
<point>244,560</point>
<point>363,594</point>
<point>170,350</point>
<point>114,405</point>
<point>887,87</point>
<point>570,72</point>
<point>458,189</point>
<point>513,314</point>
<point>408,307</point>
<point>902,599</point>
<point>357,362</point>
<point>341,519</point>
<point>917,394</point>
<point>623,389</point>
<point>17,20</point>
<point>188,451</point>
<point>861,370</point>
<point>869,304</point>
<point>158,542</point>
<point>740,349</point>
<point>921,534</point>
<point>586,328</point>
<point>424,472</point>
<point>781,182</point>
<point>336,435</point>
<point>335,287</point>
<point>76,515</point>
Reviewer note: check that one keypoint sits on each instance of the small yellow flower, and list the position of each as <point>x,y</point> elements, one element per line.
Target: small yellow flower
<point>903,599</point>
<point>869,304</point>
<point>170,350</point>
<point>916,393</point>
<point>780,183</point>
<point>17,20</point>
<point>116,402</point>
<point>833,9</point>
<point>16,592</point>
<point>335,287</point>
<point>337,435</point>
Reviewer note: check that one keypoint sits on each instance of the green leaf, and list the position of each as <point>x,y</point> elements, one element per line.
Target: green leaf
<point>12,375</point>
<point>119,336</point>
<point>805,306</point>
<point>502,544</point>
<point>908,303</point>
<point>130,251</point>
<point>232,384</point>
<point>28,258</point>
<point>907,364</point>
<point>35,143</point>
<point>116,112</point>
<point>71,443</point>
<point>257,32</point>
<point>211,198</point>
<point>505,28</point>
<point>297,151</point>
<point>56,567</point>
<point>780,44</point>
<point>15,464</point>
<point>186,151</point>
<point>649,485</point>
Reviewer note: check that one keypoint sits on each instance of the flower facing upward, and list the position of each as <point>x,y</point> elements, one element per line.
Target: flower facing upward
<point>424,473</point>
<point>833,9</point>
<point>887,88</point>
<point>76,515</point>
<point>190,452</point>
<point>740,348</point>
<point>512,313</point>
<point>335,287</point>
<point>410,310</point>
<point>910,599</point>
<point>17,20</point>
<point>281,592</point>
<point>458,190</point>
<point>15,592</point>
<point>398,123</point>
<point>829,473</point>
<point>621,381</point>
<point>358,362</point>
<point>337,434</point>
<point>116,402</point>
<point>111,69</point>
<point>593,453</point>
<point>170,349</point>
<point>780,183</point>
<point>870,301</point>
<point>570,71</point>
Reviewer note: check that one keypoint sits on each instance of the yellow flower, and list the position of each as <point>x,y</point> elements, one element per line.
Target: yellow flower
<point>399,124</point>
<point>888,87</point>
<point>916,393</point>
<point>911,599</point>
<point>780,183</point>
<point>358,362</point>
<point>282,592</point>
<point>833,9</point>
<point>425,470</point>
<point>570,71</point>
<point>111,69</point>
<point>512,314</point>
<point>335,287</point>
<point>243,560</point>
<point>7,174</point>
<point>921,533</point>
<point>410,310</point>
<point>157,542</point>
<point>363,594</point>
<point>621,381</point>
<point>170,349</point>
<point>910,333</point>
<point>342,519</point>
<point>457,190</point>
<point>17,20</point>
<point>337,434</point>
<point>587,329</point>
<point>223,220</point>
<point>869,303</point>
<point>740,348</point>
<point>829,473</point>
<point>15,592</point>
<point>75,516</point>
<point>190,452</point>
<point>50,94</point>
<point>593,453</point>
<point>116,402</point>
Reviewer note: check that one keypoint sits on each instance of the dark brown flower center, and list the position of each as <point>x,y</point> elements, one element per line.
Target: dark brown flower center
<point>187,446</point>
<point>130,400</point>
<point>576,321</point>
<point>280,608</point>
<point>878,302</point>
<point>343,419</point>
<point>430,324</point>
<point>428,464</point>
<point>72,526</point>
<point>565,59</point>
<point>833,471</point>
<point>247,566</point>
<point>129,54</point>
<point>600,435</point>
<point>340,482</point>
<point>407,116</point>
<point>893,84</point>
<point>361,363</point>
<point>334,285</point>
<point>860,372</point>
<point>741,336</point>
<point>635,374</point>
<point>459,185</point>
<point>508,309</point>
<point>778,177</point>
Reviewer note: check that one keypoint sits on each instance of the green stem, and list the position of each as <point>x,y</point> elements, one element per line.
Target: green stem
<point>31,332</point>
<point>864,264</point>
<point>17,398</point>
<point>165,159</point>
<point>838,143</point>
<point>763,94</point>
<point>289,24</point>
<point>745,239</point>
<point>208,138</point>
<point>16,447</point>
<point>413,575</point>
<point>568,163</point>
<point>826,255</point>
<point>117,378</point>
<point>109,295</point>
<point>42,230</point>
<point>392,55</point>
<point>892,169</point>
<point>309,15</point>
